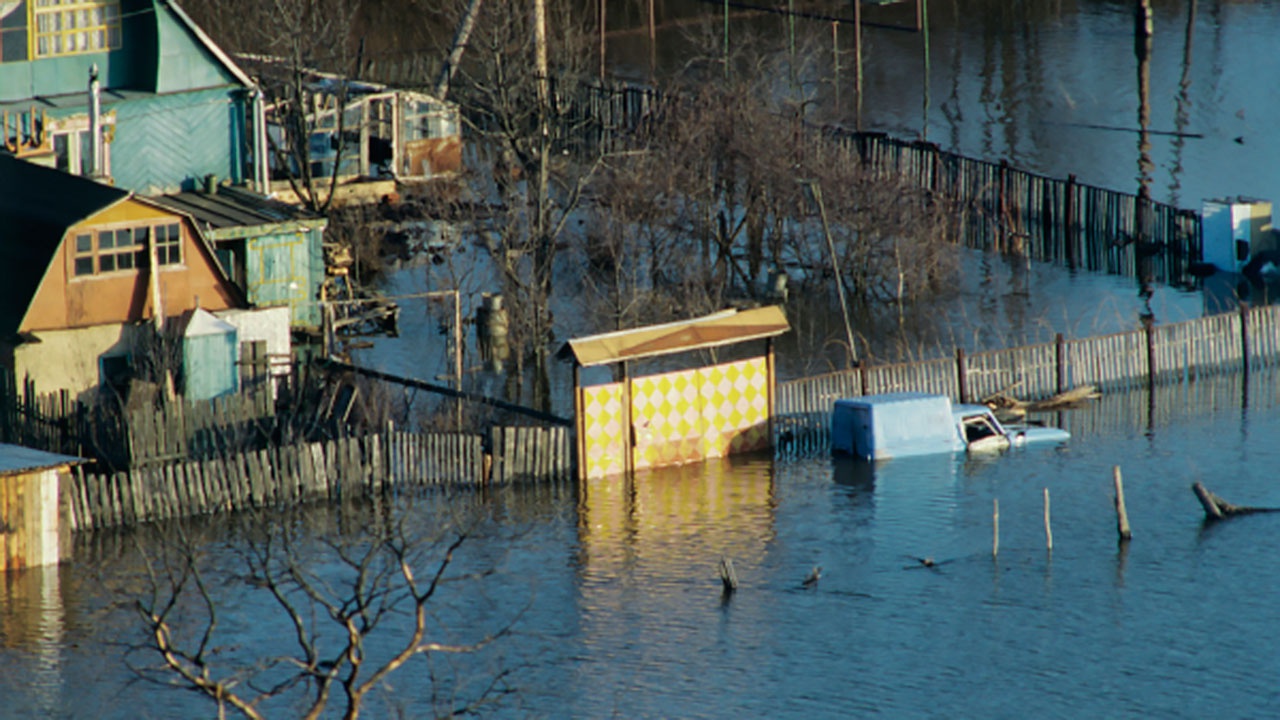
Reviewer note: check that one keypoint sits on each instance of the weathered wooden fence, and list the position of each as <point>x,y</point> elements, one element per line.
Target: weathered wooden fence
<point>122,436</point>
<point>995,205</point>
<point>1148,357</point>
<point>389,462</point>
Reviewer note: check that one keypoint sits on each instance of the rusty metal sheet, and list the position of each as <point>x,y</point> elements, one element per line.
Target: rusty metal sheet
<point>722,328</point>
<point>429,157</point>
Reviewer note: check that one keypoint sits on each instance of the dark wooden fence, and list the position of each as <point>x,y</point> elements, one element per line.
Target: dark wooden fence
<point>122,435</point>
<point>390,462</point>
<point>1151,356</point>
<point>995,205</point>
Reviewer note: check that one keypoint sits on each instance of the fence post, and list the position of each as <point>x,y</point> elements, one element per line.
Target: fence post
<point>1148,328</point>
<point>962,376</point>
<point>1068,222</point>
<point>1244,338</point>
<point>1002,205</point>
<point>1060,353</point>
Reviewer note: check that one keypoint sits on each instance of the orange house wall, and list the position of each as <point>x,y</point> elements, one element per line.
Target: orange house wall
<point>64,301</point>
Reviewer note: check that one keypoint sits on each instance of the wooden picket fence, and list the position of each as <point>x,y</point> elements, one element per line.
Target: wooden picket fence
<point>1151,356</point>
<point>389,462</point>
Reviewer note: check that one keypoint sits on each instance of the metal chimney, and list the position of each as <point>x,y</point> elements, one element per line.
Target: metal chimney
<point>95,124</point>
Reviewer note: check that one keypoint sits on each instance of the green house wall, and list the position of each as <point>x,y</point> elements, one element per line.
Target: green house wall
<point>155,148</point>
<point>158,54</point>
<point>180,112</point>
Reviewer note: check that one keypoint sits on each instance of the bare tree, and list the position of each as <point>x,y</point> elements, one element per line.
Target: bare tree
<point>520,60</point>
<point>356,607</point>
<point>302,53</point>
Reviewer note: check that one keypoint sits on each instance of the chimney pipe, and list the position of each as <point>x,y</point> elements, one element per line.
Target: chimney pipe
<point>95,124</point>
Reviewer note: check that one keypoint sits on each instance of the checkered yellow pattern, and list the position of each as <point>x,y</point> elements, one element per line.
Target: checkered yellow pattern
<point>602,429</point>
<point>678,417</point>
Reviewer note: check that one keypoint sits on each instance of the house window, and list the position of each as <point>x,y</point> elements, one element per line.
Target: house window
<point>13,31</point>
<point>70,27</point>
<point>125,249</point>
<point>73,152</point>
<point>169,244</point>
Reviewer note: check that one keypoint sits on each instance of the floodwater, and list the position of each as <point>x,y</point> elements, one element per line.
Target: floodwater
<point>611,590</point>
<point>612,596</point>
<point>1050,85</point>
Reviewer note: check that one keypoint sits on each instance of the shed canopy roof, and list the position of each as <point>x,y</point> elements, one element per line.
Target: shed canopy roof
<point>16,459</point>
<point>715,330</point>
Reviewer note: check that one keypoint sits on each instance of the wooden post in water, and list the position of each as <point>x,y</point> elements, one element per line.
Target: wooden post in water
<point>1244,340</point>
<point>1060,355</point>
<point>1148,326</point>
<point>995,527</point>
<point>1122,515</point>
<point>1048,528</point>
<point>1069,222</point>
<point>962,376</point>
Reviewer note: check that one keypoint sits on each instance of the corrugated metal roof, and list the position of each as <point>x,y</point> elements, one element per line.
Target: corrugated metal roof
<point>15,459</point>
<point>233,208</point>
<point>722,328</point>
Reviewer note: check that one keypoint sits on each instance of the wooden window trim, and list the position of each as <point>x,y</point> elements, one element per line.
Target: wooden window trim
<point>61,28</point>
<point>169,252</point>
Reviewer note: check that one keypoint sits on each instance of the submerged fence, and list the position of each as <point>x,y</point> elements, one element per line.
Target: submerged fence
<point>994,205</point>
<point>389,462</point>
<point>1144,358</point>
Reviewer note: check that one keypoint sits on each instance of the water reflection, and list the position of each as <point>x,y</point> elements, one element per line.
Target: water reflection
<point>31,623</point>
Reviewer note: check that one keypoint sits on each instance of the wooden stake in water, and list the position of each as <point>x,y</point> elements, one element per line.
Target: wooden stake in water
<point>728,576</point>
<point>995,528</point>
<point>1122,515</point>
<point>1048,529</point>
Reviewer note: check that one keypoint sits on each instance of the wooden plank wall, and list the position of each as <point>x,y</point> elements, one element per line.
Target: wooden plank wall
<point>388,462</point>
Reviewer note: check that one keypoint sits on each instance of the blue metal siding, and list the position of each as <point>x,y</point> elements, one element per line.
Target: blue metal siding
<point>209,365</point>
<point>168,143</point>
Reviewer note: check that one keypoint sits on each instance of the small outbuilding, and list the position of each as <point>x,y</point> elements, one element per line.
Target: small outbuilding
<point>35,527</point>
<point>677,417</point>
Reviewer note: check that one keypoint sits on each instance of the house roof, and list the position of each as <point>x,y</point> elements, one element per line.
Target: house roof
<point>722,328</point>
<point>234,208</point>
<point>210,45</point>
<point>37,205</point>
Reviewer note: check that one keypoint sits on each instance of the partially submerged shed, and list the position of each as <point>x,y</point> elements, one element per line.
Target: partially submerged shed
<point>35,528</point>
<point>675,417</point>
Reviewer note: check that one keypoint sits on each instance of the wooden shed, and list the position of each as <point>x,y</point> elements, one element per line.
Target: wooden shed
<point>210,349</point>
<point>272,250</point>
<point>34,528</point>
<point>677,417</point>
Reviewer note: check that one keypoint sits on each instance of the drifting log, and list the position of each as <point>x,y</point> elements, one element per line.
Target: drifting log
<point>1215,508</point>
<point>1008,408</point>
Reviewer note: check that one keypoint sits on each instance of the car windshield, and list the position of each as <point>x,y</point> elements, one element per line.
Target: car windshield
<point>977,427</point>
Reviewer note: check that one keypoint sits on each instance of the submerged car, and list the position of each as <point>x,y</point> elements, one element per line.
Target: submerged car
<point>879,427</point>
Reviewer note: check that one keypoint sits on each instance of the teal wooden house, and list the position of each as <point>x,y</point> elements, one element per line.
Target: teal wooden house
<point>129,90</point>
<point>273,251</point>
